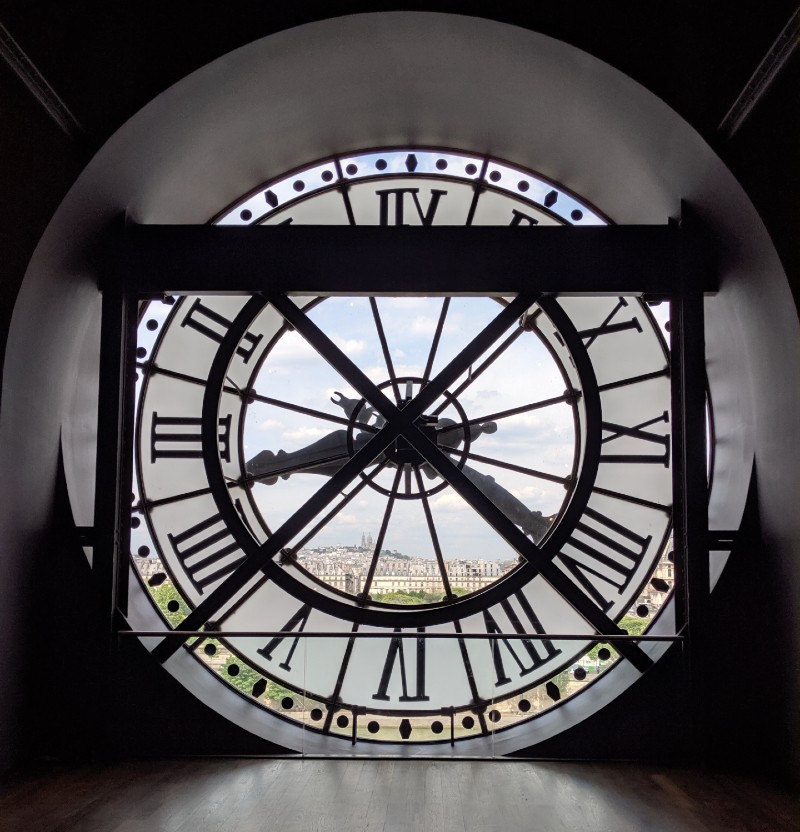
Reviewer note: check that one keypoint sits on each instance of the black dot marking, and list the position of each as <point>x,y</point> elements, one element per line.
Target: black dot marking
<point>173,605</point>
<point>381,164</point>
<point>671,556</point>
<point>135,522</point>
<point>468,722</point>
<point>246,215</point>
<point>373,727</point>
<point>604,654</point>
<point>342,721</point>
<point>141,352</point>
<point>441,164</point>
<point>470,169</point>
<point>210,649</point>
<point>152,325</point>
<point>233,670</point>
<point>351,170</point>
<point>327,175</point>
<point>524,705</point>
<point>577,215</point>
<point>316,714</point>
<point>299,185</point>
<point>523,185</point>
<point>642,611</point>
<point>143,551</point>
<point>287,703</point>
<point>494,716</point>
<point>437,727</point>
<point>579,673</point>
<point>495,176</point>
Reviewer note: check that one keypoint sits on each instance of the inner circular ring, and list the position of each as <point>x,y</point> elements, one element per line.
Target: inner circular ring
<point>401,452</point>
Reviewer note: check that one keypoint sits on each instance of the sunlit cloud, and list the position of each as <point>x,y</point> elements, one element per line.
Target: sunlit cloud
<point>305,433</point>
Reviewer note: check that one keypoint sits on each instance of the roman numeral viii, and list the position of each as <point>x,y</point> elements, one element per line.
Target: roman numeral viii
<point>526,654</point>
<point>601,564</point>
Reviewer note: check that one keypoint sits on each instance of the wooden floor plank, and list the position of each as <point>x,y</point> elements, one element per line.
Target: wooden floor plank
<point>359,795</point>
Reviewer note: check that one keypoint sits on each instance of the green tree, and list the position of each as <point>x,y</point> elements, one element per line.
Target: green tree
<point>633,625</point>
<point>246,677</point>
<point>170,602</point>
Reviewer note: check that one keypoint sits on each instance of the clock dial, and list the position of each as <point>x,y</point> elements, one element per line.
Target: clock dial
<point>431,508</point>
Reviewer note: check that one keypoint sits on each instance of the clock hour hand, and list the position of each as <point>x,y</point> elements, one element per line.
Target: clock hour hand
<point>531,522</point>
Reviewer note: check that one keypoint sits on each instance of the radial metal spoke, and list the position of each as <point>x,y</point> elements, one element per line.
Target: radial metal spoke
<point>475,374</point>
<point>337,688</point>
<point>306,411</point>
<point>387,514</point>
<point>435,344</point>
<point>385,347</point>
<point>509,466</point>
<point>514,411</point>
<point>434,536</point>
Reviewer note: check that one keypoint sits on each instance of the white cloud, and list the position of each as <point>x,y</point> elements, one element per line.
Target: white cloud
<point>449,501</point>
<point>305,433</point>
<point>269,425</point>
<point>349,346</point>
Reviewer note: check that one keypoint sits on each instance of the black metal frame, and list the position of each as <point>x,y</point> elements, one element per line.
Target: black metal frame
<point>661,261</point>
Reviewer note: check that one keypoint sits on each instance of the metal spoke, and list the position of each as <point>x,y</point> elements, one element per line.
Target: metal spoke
<point>520,469</point>
<point>435,345</point>
<point>385,347</point>
<point>434,536</point>
<point>612,385</point>
<point>387,514</point>
<point>630,498</point>
<point>307,411</point>
<point>337,688</point>
<point>475,374</point>
<point>514,411</point>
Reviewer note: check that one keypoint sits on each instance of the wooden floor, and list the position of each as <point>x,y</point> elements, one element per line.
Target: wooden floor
<point>244,795</point>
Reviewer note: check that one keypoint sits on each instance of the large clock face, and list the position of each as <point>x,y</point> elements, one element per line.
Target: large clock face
<point>402,519</point>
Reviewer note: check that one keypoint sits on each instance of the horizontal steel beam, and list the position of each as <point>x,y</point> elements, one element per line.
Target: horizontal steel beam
<point>343,260</point>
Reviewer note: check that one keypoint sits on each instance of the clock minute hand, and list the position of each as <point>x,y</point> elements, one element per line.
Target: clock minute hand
<point>325,456</point>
